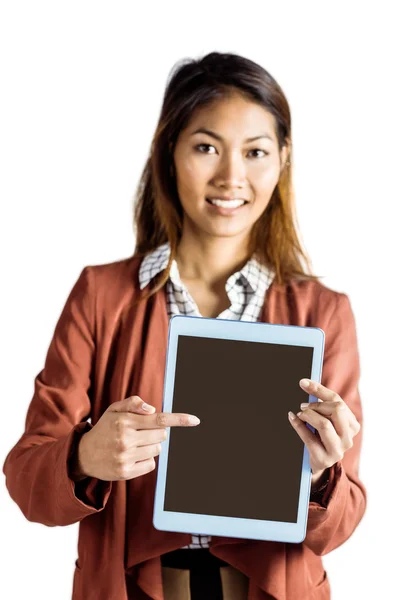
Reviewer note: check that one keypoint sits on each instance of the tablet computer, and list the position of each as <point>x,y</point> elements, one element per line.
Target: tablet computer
<point>243,472</point>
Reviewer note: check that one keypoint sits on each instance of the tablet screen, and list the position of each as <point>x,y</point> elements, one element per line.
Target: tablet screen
<point>244,459</point>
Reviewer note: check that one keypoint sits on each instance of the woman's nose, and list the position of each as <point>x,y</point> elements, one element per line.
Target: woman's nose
<point>231,171</point>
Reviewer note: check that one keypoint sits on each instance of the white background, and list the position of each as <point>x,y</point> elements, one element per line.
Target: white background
<point>81,89</point>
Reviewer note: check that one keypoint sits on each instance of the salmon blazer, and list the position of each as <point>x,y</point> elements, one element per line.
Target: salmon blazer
<point>105,349</point>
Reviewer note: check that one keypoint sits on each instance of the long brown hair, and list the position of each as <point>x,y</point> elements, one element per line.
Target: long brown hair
<point>158,213</point>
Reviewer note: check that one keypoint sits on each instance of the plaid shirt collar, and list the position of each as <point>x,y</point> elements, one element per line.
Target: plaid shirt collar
<point>253,273</point>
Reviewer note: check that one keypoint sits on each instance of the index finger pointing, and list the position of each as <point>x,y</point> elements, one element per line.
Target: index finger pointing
<point>163,419</point>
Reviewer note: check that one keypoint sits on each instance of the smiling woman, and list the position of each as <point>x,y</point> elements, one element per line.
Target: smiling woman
<point>216,237</point>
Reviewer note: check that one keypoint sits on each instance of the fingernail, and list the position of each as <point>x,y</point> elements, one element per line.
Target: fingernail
<point>194,420</point>
<point>291,415</point>
<point>305,382</point>
<point>146,407</point>
<point>304,405</point>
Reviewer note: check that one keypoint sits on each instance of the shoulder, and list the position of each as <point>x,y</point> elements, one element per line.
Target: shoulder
<point>315,289</point>
<point>309,289</point>
<point>119,274</point>
<point>111,285</point>
<point>313,299</point>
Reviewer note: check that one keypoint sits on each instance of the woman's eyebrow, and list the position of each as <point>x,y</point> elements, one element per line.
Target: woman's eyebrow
<point>219,138</point>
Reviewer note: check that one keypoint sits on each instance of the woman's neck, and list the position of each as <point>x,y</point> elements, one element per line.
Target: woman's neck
<point>210,263</point>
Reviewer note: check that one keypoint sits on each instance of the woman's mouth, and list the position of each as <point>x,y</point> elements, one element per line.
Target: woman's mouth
<point>226,207</point>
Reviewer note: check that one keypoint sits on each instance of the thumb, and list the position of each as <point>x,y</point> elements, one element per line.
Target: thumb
<point>133,404</point>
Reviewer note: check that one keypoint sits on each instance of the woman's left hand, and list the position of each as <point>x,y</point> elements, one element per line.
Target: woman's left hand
<point>332,419</point>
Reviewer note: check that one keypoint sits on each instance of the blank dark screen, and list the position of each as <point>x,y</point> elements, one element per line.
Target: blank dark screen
<point>244,459</point>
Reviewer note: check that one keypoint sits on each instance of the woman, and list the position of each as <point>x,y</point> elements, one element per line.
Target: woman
<point>215,237</point>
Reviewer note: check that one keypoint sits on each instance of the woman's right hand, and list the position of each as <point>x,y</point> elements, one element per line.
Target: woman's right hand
<point>123,443</point>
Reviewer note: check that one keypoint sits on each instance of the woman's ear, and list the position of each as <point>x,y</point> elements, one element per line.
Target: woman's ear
<point>285,157</point>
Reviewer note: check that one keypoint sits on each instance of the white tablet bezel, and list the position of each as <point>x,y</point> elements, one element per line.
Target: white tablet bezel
<point>256,331</point>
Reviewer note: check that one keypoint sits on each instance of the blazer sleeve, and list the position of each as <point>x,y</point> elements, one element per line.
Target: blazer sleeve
<point>37,468</point>
<point>331,522</point>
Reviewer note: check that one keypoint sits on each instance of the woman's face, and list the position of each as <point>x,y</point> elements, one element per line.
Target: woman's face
<point>222,162</point>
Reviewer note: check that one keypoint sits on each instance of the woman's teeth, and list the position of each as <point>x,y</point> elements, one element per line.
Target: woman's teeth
<point>227,203</point>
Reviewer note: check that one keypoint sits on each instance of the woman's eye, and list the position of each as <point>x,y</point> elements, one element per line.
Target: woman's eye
<point>259,150</point>
<point>204,146</point>
<point>200,146</point>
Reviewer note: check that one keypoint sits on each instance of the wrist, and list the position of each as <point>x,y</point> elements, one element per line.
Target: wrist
<point>319,478</point>
<point>78,470</point>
